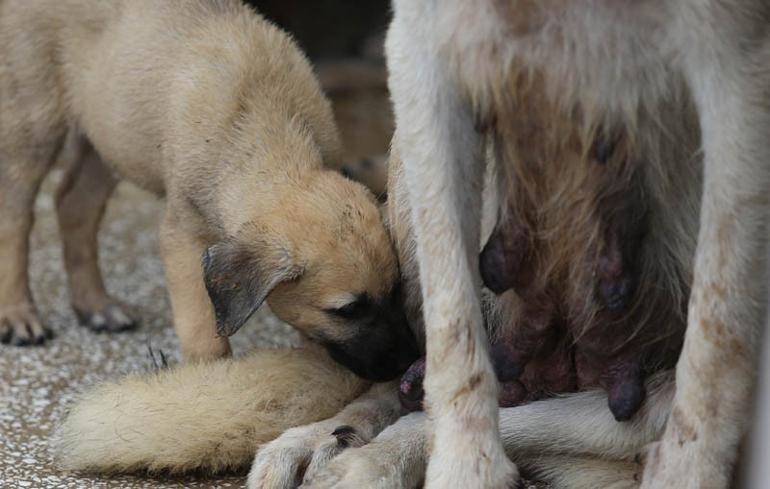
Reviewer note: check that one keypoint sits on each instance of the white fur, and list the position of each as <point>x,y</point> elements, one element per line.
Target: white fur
<point>613,59</point>
<point>571,442</point>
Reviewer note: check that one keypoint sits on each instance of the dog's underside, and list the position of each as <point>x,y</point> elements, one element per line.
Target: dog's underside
<point>647,71</point>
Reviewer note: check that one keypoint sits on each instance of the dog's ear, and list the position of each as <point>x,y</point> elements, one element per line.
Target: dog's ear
<point>239,278</point>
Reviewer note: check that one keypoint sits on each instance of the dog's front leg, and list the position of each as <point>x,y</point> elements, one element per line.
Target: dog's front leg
<point>396,459</point>
<point>194,320</point>
<point>305,450</point>
<point>726,61</point>
<point>443,164</point>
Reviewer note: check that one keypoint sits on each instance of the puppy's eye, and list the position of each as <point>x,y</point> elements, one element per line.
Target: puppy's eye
<point>352,310</point>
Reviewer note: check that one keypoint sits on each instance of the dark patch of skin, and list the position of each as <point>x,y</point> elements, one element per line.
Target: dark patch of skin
<point>383,346</point>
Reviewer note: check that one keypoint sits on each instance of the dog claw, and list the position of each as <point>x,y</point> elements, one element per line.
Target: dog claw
<point>110,319</point>
<point>21,327</point>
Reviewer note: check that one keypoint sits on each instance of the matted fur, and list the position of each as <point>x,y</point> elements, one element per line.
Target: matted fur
<point>209,416</point>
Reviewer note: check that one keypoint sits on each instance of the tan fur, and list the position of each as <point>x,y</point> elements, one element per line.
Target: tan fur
<point>206,416</point>
<point>209,105</point>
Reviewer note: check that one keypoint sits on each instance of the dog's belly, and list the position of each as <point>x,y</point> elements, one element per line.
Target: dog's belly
<point>570,43</point>
<point>603,274</point>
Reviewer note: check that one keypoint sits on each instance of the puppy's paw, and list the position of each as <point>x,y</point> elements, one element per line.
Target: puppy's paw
<point>302,451</point>
<point>111,318</point>
<point>20,326</point>
<point>341,438</point>
<point>357,468</point>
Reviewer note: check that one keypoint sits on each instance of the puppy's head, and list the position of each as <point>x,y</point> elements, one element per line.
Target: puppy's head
<point>323,260</point>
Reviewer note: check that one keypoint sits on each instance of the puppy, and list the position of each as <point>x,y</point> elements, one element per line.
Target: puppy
<point>207,104</point>
<point>455,71</point>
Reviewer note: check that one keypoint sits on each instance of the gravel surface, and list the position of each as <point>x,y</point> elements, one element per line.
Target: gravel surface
<point>38,384</point>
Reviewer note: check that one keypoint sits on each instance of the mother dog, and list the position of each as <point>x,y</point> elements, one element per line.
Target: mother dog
<point>452,64</point>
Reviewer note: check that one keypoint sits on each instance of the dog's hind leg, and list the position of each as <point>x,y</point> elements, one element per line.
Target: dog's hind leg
<point>444,168</point>
<point>20,177</point>
<point>28,148</point>
<point>80,202</point>
<point>727,56</point>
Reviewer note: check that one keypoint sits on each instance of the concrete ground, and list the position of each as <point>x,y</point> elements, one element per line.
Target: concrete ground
<point>38,384</point>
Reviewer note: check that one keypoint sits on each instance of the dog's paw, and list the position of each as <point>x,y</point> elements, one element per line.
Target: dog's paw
<point>111,318</point>
<point>20,326</point>
<point>481,463</point>
<point>682,466</point>
<point>364,467</point>
<point>300,452</point>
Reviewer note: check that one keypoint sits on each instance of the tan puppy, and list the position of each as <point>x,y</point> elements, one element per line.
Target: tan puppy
<point>209,105</point>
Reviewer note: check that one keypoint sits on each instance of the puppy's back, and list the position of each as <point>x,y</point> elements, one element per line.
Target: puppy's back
<point>147,79</point>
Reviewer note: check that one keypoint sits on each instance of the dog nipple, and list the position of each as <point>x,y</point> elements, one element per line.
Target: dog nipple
<point>511,394</point>
<point>504,361</point>
<point>410,390</point>
<point>616,284</point>
<point>503,261</point>
<point>625,389</point>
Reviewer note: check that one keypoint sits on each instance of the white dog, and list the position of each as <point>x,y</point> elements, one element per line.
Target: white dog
<point>451,63</point>
<point>649,70</point>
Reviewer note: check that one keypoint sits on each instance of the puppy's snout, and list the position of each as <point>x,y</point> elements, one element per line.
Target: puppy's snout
<point>382,349</point>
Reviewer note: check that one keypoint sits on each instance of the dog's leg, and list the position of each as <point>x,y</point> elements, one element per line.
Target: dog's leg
<point>194,320</point>
<point>305,450</point>
<point>571,442</point>
<point>396,459</point>
<point>20,175</point>
<point>80,203</point>
<point>727,60</point>
<point>442,157</point>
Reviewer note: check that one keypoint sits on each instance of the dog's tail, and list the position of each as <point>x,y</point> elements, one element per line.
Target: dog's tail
<point>209,417</point>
